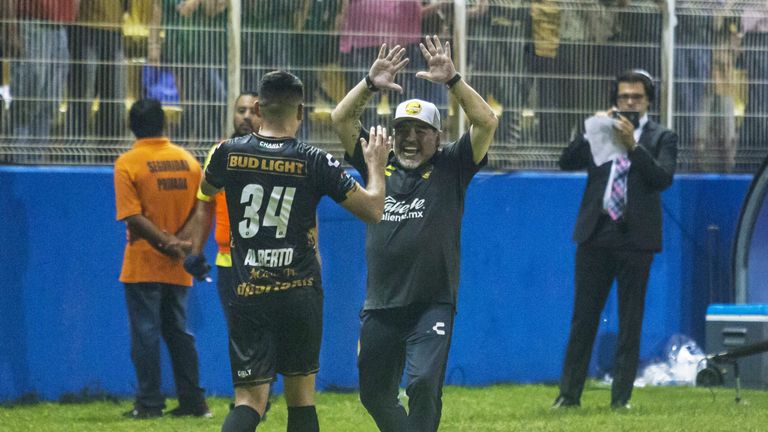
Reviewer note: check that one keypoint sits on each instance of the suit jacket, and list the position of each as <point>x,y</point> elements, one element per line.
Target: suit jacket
<point>653,166</point>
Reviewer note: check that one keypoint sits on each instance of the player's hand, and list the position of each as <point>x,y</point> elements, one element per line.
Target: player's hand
<point>440,66</point>
<point>386,66</point>
<point>197,266</point>
<point>376,149</point>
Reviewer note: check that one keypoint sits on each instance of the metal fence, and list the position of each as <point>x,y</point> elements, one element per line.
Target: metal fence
<point>68,76</point>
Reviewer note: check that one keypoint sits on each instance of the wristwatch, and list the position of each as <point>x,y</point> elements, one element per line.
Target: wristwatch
<point>369,84</point>
<point>456,78</point>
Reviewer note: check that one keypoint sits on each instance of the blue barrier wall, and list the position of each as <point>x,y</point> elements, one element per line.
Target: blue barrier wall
<point>63,324</point>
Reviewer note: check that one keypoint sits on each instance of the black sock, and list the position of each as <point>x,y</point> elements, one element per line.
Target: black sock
<point>302,419</point>
<point>242,418</point>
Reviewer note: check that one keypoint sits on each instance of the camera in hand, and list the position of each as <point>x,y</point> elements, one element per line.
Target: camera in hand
<point>632,116</point>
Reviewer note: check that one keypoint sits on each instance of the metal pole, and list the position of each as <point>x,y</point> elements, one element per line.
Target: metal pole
<point>459,48</point>
<point>669,21</point>
<point>713,251</point>
<point>234,18</point>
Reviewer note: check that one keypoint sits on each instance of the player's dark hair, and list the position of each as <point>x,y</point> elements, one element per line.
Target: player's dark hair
<point>146,118</point>
<point>280,92</point>
<point>634,76</point>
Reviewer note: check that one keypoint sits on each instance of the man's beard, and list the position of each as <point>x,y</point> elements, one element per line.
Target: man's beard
<point>409,163</point>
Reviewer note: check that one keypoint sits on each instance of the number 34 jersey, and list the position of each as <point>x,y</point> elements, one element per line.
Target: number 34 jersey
<point>272,187</point>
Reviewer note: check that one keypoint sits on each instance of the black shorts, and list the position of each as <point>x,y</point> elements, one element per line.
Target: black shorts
<point>278,333</point>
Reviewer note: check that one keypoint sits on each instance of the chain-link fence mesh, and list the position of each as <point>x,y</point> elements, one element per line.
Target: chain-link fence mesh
<point>69,76</point>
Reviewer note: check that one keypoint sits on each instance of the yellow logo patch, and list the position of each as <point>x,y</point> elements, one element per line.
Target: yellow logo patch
<point>427,172</point>
<point>413,108</point>
<point>284,166</point>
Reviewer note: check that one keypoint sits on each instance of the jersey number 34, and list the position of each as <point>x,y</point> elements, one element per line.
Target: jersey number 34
<point>277,213</point>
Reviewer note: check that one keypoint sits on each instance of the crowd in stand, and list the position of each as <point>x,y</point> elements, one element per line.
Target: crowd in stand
<point>72,66</point>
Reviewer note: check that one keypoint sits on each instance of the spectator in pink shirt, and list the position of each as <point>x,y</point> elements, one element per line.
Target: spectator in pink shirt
<point>369,23</point>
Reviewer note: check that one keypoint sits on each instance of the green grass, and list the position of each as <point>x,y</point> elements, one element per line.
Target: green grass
<point>496,408</point>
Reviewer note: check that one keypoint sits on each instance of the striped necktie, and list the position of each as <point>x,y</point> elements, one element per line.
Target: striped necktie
<point>618,199</point>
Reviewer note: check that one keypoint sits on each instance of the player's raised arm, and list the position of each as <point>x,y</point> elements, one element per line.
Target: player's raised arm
<point>368,203</point>
<point>483,121</point>
<point>381,76</point>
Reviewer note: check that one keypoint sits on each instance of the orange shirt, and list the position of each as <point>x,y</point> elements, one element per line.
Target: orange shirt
<point>159,180</point>
<point>221,233</point>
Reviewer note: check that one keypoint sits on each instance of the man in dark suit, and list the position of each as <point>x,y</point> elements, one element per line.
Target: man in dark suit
<point>618,231</point>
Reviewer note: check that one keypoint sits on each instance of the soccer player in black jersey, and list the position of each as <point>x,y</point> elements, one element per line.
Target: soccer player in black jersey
<point>273,184</point>
<point>413,253</point>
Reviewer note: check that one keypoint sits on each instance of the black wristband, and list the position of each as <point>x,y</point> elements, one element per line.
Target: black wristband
<point>456,78</point>
<point>369,84</point>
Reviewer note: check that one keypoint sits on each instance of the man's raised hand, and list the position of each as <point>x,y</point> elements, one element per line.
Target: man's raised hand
<point>386,66</point>
<point>440,67</point>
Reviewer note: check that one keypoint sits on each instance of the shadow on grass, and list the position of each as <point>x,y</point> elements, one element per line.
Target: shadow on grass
<point>86,395</point>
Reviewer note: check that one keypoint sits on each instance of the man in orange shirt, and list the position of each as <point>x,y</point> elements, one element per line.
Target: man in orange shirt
<point>155,184</point>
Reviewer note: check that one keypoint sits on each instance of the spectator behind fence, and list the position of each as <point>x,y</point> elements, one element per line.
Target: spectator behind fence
<point>98,70</point>
<point>498,35</point>
<point>195,46</point>
<point>268,37</point>
<point>693,60</point>
<point>368,23</point>
<point>618,231</point>
<point>638,39</point>
<point>316,52</point>
<point>413,253</point>
<point>36,38</point>
<point>570,85</point>
<point>155,184</point>
<point>275,307</point>
<point>715,136</point>
<point>754,132</point>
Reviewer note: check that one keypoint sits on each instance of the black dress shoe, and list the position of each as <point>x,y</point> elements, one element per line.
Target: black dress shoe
<point>564,402</point>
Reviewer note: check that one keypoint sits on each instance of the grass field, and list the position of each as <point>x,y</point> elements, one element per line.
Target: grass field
<point>497,408</point>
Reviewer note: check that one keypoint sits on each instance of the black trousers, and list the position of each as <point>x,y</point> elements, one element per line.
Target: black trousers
<point>160,310</point>
<point>414,339</point>
<point>596,269</point>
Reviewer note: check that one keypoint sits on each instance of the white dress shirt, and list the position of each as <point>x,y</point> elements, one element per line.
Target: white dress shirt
<point>607,195</point>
